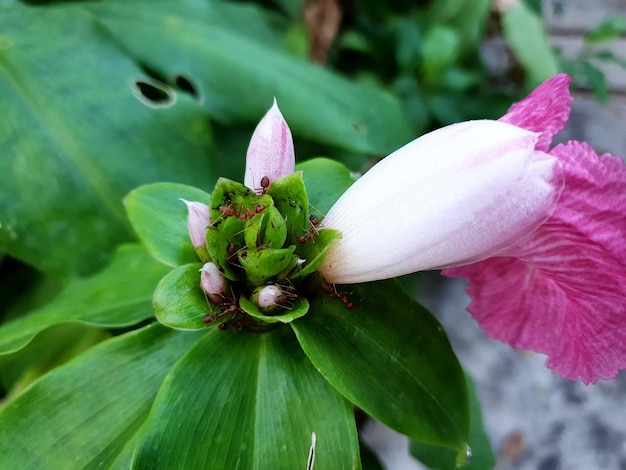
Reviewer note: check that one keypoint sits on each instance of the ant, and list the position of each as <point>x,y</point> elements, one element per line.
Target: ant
<point>227,306</point>
<point>331,290</point>
<point>231,211</point>
<point>265,183</point>
<point>312,232</point>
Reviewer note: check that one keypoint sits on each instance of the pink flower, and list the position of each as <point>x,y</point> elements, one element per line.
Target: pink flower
<point>270,154</point>
<point>454,196</point>
<point>562,291</point>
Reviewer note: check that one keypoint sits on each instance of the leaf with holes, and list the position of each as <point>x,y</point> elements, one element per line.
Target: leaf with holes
<point>238,71</point>
<point>75,139</point>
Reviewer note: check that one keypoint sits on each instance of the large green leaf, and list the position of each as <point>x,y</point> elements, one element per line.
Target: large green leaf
<point>74,139</point>
<point>391,358</point>
<point>160,219</point>
<point>480,454</point>
<point>325,181</point>
<point>238,72</point>
<point>249,401</point>
<point>49,349</point>
<point>120,295</point>
<point>82,414</point>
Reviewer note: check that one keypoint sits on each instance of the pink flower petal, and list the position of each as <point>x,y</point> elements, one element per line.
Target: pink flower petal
<point>198,220</point>
<point>270,154</point>
<point>545,110</point>
<point>561,292</point>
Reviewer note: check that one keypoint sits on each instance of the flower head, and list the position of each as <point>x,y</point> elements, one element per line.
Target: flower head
<point>454,196</point>
<point>270,153</point>
<point>561,290</point>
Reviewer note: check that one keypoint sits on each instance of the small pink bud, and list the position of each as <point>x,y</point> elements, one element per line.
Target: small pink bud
<point>198,221</point>
<point>270,296</point>
<point>270,154</point>
<point>212,280</point>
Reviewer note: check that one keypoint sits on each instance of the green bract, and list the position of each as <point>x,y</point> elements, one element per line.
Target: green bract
<point>254,240</point>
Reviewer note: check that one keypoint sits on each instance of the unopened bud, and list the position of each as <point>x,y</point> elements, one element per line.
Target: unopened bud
<point>198,220</point>
<point>212,281</point>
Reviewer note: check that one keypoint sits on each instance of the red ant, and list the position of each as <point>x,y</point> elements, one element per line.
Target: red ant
<point>265,183</point>
<point>331,290</point>
<point>228,211</point>
<point>312,232</point>
<point>232,211</point>
<point>227,306</point>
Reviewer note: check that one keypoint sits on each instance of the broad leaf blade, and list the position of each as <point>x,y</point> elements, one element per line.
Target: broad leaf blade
<point>325,181</point>
<point>390,357</point>
<point>83,414</point>
<point>75,140</point>
<point>239,73</point>
<point>51,348</point>
<point>480,454</point>
<point>250,401</point>
<point>120,295</point>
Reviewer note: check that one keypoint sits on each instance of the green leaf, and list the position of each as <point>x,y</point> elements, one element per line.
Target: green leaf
<point>391,358</point>
<point>180,303</point>
<point>82,414</point>
<point>480,454</point>
<point>223,241</point>
<point>232,196</point>
<point>314,251</point>
<point>596,79</point>
<point>611,28</point>
<point>118,296</point>
<point>440,51</point>
<point>250,401</point>
<point>527,38</point>
<point>238,73</point>
<point>159,218</point>
<point>262,265</point>
<point>468,18</point>
<point>291,200</point>
<point>300,308</point>
<point>49,349</point>
<point>75,140</point>
<point>325,181</point>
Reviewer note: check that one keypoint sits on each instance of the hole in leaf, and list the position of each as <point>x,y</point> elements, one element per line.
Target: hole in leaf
<point>185,84</point>
<point>153,94</point>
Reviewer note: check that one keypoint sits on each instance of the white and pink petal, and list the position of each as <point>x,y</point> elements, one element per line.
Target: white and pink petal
<point>271,154</point>
<point>454,196</point>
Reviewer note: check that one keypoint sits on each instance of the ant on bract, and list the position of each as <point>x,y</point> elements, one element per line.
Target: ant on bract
<point>312,232</point>
<point>231,211</point>
<point>227,306</point>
